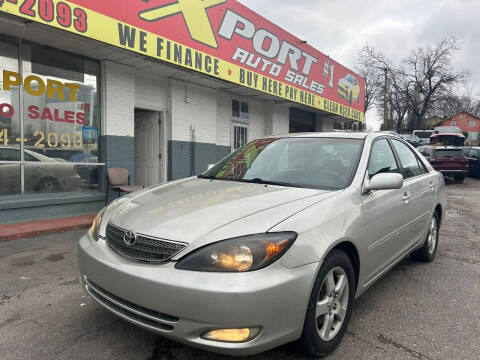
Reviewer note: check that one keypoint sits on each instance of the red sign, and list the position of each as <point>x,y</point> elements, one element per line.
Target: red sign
<point>237,45</point>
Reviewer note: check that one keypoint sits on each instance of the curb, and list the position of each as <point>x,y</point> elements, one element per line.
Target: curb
<point>35,228</point>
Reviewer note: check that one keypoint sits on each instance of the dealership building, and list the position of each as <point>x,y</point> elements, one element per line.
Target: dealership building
<point>160,88</point>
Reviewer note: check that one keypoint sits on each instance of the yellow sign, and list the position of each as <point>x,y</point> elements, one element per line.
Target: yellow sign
<point>95,25</point>
<point>195,14</point>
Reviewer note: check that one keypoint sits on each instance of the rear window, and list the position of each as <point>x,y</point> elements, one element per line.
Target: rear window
<point>423,134</point>
<point>449,153</point>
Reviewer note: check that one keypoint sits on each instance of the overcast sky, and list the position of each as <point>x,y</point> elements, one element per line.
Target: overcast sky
<point>340,28</point>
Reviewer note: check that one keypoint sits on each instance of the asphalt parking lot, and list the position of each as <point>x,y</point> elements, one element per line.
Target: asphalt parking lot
<point>417,311</point>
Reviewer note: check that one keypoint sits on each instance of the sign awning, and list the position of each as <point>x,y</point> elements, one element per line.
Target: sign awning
<point>220,38</point>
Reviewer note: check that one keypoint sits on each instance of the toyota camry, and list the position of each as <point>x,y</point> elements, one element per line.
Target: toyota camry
<point>270,245</point>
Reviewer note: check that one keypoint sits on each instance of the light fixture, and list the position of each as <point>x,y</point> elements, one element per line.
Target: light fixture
<point>232,335</point>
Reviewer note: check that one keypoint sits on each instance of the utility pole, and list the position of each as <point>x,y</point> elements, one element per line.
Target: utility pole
<point>385,110</point>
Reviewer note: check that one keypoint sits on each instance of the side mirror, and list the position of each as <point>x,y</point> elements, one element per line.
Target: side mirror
<point>384,181</point>
<point>210,166</point>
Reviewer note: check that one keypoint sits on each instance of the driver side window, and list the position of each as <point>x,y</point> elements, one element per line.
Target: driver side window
<point>382,159</point>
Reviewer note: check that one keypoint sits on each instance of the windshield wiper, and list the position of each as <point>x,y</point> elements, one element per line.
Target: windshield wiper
<point>268,182</point>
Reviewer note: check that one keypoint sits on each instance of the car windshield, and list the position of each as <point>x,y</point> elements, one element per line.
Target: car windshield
<point>456,153</point>
<point>423,134</point>
<point>319,163</point>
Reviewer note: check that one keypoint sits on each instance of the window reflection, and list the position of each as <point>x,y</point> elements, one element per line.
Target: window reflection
<point>61,120</point>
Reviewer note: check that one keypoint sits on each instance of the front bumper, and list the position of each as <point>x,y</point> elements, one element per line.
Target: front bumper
<point>182,305</point>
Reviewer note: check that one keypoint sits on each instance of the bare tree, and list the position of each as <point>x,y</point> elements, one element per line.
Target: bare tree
<point>451,104</point>
<point>430,77</point>
<point>390,96</point>
<point>373,84</point>
<point>417,87</point>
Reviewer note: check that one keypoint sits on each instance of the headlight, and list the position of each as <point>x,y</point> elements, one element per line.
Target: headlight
<point>96,225</point>
<point>246,253</point>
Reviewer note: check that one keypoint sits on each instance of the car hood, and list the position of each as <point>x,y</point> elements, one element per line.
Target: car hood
<point>189,210</point>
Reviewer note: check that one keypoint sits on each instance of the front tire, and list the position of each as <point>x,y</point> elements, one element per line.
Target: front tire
<point>429,249</point>
<point>330,306</point>
<point>459,178</point>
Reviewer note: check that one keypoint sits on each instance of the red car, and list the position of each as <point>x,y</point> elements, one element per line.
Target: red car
<point>450,161</point>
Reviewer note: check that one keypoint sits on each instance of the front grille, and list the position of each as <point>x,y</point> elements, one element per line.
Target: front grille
<point>146,248</point>
<point>135,313</point>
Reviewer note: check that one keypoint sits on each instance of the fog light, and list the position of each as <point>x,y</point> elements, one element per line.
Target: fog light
<point>232,335</point>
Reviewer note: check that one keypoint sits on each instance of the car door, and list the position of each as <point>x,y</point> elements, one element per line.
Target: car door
<point>474,162</point>
<point>418,194</point>
<point>385,213</point>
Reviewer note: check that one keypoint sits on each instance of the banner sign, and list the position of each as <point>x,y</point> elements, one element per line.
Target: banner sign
<point>220,38</point>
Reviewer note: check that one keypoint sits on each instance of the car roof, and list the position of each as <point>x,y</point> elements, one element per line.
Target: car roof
<point>333,134</point>
<point>444,147</point>
<point>449,134</point>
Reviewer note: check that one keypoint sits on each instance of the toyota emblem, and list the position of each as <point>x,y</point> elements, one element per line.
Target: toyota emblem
<point>130,238</point>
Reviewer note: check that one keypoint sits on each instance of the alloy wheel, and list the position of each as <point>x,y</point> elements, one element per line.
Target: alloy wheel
<point>432,236</point>
<point>332,303</point>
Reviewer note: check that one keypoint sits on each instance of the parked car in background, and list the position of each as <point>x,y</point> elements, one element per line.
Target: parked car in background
<point>88,173</point>
<point>473,156</point>
<point>270,245</point>
<point>452,139</point>
<point>447,130</point>
<point>412,139</point>
<point>43,174</point>
<point>450,161</point>
<point>423,135</point>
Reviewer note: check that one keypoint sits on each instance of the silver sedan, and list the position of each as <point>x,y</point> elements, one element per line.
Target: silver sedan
<point>269,246</point>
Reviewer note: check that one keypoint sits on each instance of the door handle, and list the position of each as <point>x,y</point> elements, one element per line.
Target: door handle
<point>405,197</point>
<point>431,186</point>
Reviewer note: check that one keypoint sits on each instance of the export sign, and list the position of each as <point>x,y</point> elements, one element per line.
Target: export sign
<point>220,38</point>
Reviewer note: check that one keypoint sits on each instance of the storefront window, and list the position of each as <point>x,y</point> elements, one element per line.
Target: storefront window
<point>9,120</point>
<point>61,119</point>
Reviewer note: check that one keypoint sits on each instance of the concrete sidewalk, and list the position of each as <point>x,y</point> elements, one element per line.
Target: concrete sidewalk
<point>30,229</point>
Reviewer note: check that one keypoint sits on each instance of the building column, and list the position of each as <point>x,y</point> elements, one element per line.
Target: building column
<point>118,116</point>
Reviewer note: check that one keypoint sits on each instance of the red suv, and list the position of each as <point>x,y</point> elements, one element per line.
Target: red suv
<point>450,161</point>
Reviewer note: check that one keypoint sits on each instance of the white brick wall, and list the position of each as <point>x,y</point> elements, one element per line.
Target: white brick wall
<point>327,124</point>
<point>150,93</point>
<point>224,115</point>
<point>188,104</point>
<point>118,107</point>
<point>200,110</point>
<point>257,119</point>
<point>278,118</point>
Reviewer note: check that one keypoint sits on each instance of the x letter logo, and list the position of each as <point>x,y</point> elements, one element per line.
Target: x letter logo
<point>195,15</point>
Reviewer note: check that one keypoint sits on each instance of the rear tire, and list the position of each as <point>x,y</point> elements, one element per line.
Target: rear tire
<point>330,306</point>
<point>48,185</point>
<point>429,249</point>
<point>459,178</point>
